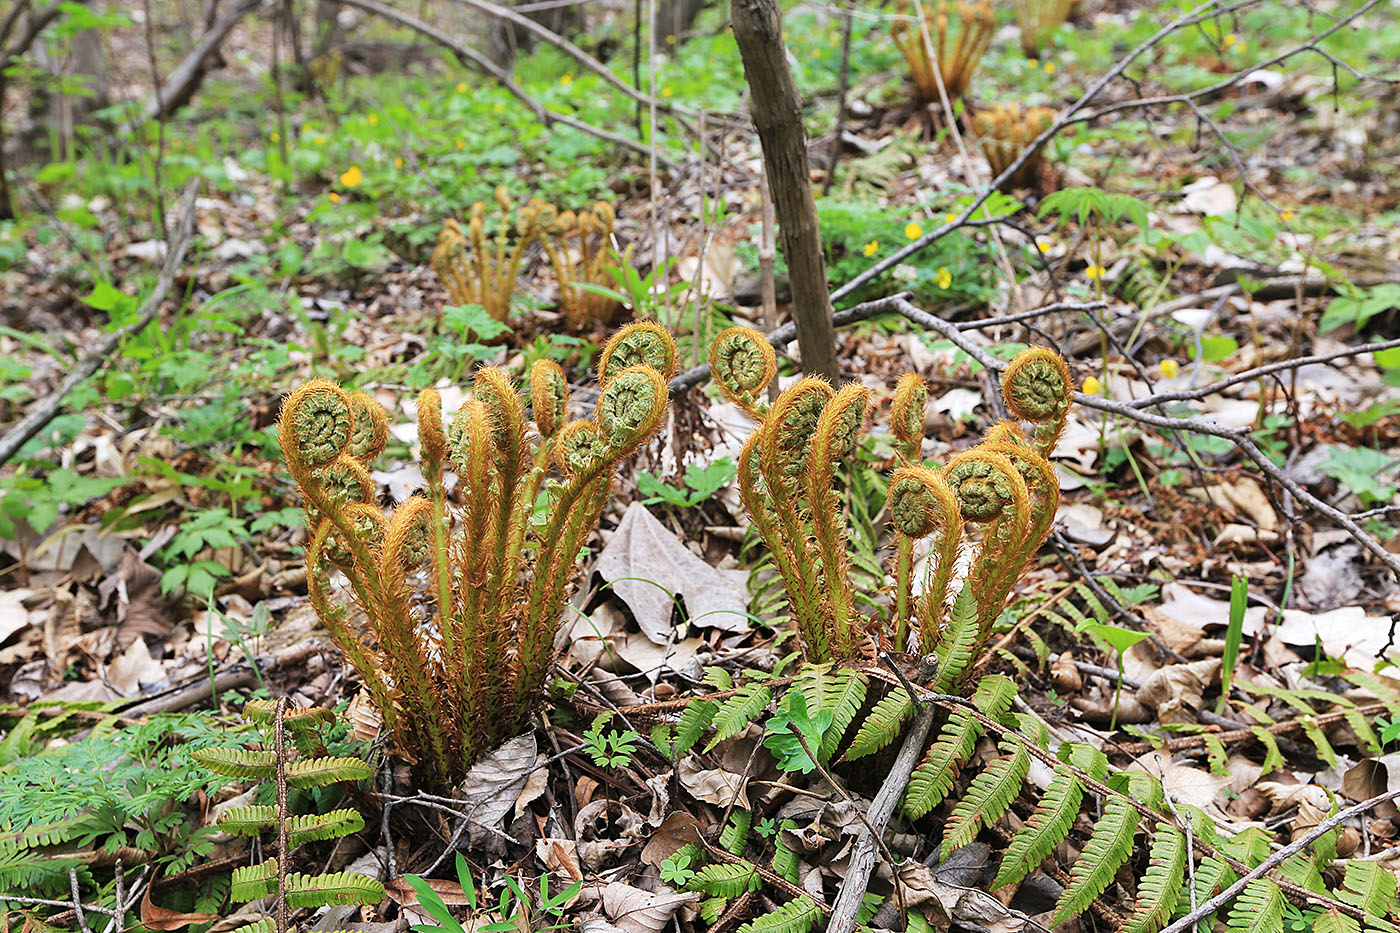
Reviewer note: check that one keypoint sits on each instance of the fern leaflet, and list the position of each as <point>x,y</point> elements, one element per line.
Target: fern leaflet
<point>315,772</point>
<point>251,882</point>
<point>1160,887</point>
<point>796,916</point>
<point>738,711</point>
<point>1053,816</point>
<point>1258,909</point>
<point>1334,921</point>
<point>957,644</point>
<point>1109,847</point>
<point>933,778</point>
<point>988,796</point>
<point>882,725</point>
<point>726,879</point>
<point>343,887</point>
<point>736,832</point>
<point>1369,886</point>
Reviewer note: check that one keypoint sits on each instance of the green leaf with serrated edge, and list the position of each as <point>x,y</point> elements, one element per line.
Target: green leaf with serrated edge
<point>316,772</point>
<point>1319,741</point>
<point>1369,886</point>
<point>692,725</point>
<point>247,821</point>
<point>342,887</point>
<point>1273,758</point>
<point>1302,871</point>
<point>313,827</point>
<point>240,763</point>
<point>1109,846</point>
<point>712,908</point>
<point>785,861</point>
<point>882,726</point>
<point>735,714</point>
<point>1216,754</point>
<point>1361,728</point>
<point>301,718</point>
<point>251,882</point>
<point>1258,908</point>
<point>1377,687</point>
<point>988,796</point>
<point>845,696</point>
<point>1053,817</point>
<point>1333,920</point>
<point>1161,884</point>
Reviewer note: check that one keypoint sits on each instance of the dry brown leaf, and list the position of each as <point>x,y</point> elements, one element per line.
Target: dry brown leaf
<point>161,918</point>
<point>134,668</point>
<point>713,785</point>
<point>636,911</point>
<point>677,830</point>
<point>1174,692</point>
<point>1185,784</point>
<point>494,783</point>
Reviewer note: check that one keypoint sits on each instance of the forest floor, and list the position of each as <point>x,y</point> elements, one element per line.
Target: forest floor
<point>1221,270</point>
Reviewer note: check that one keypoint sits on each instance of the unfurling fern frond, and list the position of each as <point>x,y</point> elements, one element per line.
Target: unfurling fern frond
<point>342,887</point>
<point>796,916</point>
<point>882,726</point>
<point>988,797</point>
<point>726,879</point>
<point>738,711</point>
<point>1110,845</point>
<point>1259,908</point>
<point>1160,887</point>
<point>934,777</point>
<point>1053,816</point>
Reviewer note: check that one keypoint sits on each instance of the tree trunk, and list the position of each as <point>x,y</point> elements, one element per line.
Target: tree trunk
<point>777,115</point>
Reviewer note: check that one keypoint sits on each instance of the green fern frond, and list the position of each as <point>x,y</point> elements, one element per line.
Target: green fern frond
<point>1369,886</point>
<point>712,908</point>
<point>315,772</point>
<point>1053,817</point>
<point>1379,687</point>
<point>302,719</point>
<point>1302,871</point>
<point>251,882</point>
<point>241,763</point>
<point>1361,726</point>
<point>958,642</point>
<point>1258,909</point>
<point>1249,846</point>
<point>726,879</point>
<point>265,925</point>
<point>988,796</point>
<point>692,725</point>
<point>247,821</point>
<point>1161,885</point>
<point>882,726</point>
<point>1110,845</point>
<point>796,916</point>
<point>1319,741</point>
<point>735,836</point>
<point>1334,921</point>
<point>784,859</point>
<point>315,826</point>
<point>738,711</point>
<point>843,693</point>
<point>342,887</point>
<point>933,779</point>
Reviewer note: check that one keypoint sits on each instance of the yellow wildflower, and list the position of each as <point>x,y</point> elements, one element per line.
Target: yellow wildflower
<point>398,161</point>
<point>671,39</point>
<point>944,279</point>
<point>1169,368</point>
<point>275,137</point>
<point>320,140</point>
<point>352,176</point>
<point>567,80</point>
<point>1094,272</point>
<point>461,145</point>
<point>1043,244</point>
<point>1092,386</point>
<point>461,87</point>
<point>1230,38</point>
<point>871,247</point>
<point>373,119</point>
<point>913,231</point>
<point>1287,216</point>
<point>1049,68</point>
<point>335,198</point>
<point>1035,62</point>
<point>1241,47</point>
<point>666,91</point>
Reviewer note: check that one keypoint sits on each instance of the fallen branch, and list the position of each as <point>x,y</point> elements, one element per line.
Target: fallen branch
<point>469,56</point>
<point>189,74</point>
<point>45,411</point>
<point>862,863</point>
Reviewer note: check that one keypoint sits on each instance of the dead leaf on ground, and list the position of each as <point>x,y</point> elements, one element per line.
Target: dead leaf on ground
<point>1174,692</point>
<point>648,565</point>
<point>1185,784</point>
<point>636,911</point>
<point>714,785</point>
<point>495,783</point>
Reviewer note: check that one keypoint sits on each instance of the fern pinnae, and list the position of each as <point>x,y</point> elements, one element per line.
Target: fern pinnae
<point>1110,845</point>
<point>726,879</point>
<point>343,887</point>
<point>957,644</point>
<point>845,695</point>
<point>1161,885</point>
<point>691,726</point>
<point>1333,920</point>
<point>1050,823</point>
<point>734,838</point>
<point>1371,887</point>
<point>1258,908</point>
<point>988,796</point>
<point>798,915</point>
<point>251,882</point>
<point>882,726</point>
<point>736,713</point>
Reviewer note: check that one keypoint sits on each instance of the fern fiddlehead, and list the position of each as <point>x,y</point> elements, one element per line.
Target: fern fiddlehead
<point>742,363</point>
<point>921,504</point>
<point>1037,387</point>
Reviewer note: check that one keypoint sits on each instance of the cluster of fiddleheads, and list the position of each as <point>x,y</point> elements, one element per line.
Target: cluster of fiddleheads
<point>448,612</point>
<point>788,481</point>
<point>480,267</point>
<point>291,731</point>
<point>1037,19</point>
<point>959,34</point>
<point>1005,131</point>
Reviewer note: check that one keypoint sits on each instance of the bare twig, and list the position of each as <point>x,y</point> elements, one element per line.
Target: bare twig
<point>185,80</point>
<point>45,411</point>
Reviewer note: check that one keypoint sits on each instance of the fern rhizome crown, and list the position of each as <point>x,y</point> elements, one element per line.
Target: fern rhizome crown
<point>479,266</point>
<point>1002,492</point>
<point>292,731</point>
<point>986,513</point>
<point>448,612</point>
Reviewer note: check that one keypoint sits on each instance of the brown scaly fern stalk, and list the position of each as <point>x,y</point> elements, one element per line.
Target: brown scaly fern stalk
<point>1003,488</point>
<point>479,268</point>
<point>449,613</point>
<point>960,33</point>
